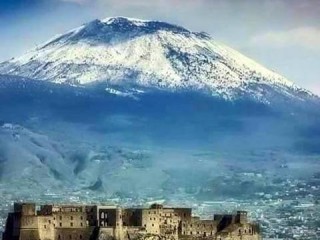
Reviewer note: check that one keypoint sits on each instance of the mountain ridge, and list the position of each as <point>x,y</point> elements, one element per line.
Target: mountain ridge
<point>149,54</point>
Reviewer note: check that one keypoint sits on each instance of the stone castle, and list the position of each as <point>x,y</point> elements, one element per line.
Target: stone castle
<point>92,222</point>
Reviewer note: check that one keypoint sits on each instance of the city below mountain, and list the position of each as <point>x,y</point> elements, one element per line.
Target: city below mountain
<point>133,112</point>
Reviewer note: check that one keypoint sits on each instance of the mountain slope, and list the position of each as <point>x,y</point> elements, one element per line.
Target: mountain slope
<point>149,54</point>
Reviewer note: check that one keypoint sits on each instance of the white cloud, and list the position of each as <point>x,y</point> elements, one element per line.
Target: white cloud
<point>76,1</point>
<point>307,37</point>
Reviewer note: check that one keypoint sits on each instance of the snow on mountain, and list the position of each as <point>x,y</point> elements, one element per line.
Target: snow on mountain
<point>148,54</point>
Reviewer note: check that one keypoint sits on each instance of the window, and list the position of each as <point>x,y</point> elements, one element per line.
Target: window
<point>71,224</point>
<point>80,236</point>
<point>81,217</point>
<point>71,217</point>
<point>152,225</point>
<point>102,215</point>
<point>45,226</point>
<point>60,224</point>
<point>191,233</point>
<point>81,224</point>
<point>70,237</point>
<point>60,217</point>
<point>49,221</point>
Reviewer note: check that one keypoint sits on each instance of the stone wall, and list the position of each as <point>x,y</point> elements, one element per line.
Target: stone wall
<point>199,228</point>
<point>69,219</point>
<point>45,227</point>
<point>73,233</point>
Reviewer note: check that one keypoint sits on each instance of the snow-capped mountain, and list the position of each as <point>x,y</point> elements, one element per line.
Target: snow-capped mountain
<point>149,54</point>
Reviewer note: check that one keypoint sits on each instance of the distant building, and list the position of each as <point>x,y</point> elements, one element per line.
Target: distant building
<point>80,222</point>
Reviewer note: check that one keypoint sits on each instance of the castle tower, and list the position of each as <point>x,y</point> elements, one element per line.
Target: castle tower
<point>241,217</point>
<point>119,235</point>
<point>26,209</point>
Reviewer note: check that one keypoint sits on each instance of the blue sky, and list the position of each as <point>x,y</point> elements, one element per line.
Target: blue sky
<point>283,35</point>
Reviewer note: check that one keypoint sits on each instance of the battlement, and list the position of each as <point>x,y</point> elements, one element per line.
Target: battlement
<point>58,222</point>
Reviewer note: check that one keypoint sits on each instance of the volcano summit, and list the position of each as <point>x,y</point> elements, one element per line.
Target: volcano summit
<point>123,51</point>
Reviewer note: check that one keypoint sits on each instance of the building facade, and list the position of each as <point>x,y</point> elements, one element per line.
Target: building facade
<point>79,222</point>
